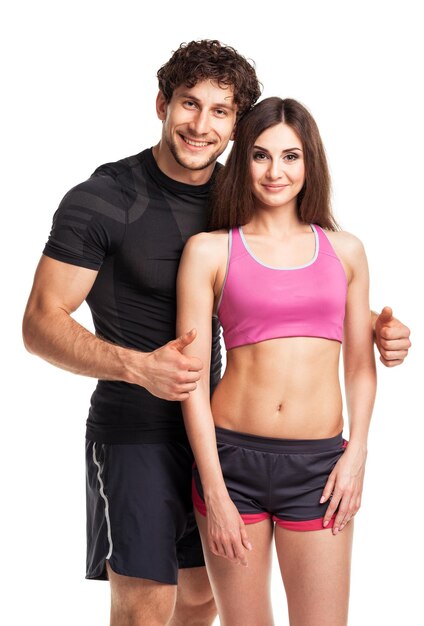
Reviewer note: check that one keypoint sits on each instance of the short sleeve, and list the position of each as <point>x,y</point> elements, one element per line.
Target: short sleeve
<point>89,223</point>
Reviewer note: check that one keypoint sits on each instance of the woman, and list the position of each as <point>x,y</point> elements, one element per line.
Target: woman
<point>288,288</point>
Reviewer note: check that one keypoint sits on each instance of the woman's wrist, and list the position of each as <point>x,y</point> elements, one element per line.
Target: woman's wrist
<point>214,494</point>
<point>360,442</point>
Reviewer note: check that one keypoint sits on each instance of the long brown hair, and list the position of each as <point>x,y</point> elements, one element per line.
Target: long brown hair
<point>233,203</point>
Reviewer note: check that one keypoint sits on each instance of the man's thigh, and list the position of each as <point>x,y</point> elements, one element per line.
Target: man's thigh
<point>143,602</point>
<point>139,602</point>
<point>139,511</point>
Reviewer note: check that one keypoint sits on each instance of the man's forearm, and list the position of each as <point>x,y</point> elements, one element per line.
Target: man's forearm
<point>59,339</point>
<point>62,341</point>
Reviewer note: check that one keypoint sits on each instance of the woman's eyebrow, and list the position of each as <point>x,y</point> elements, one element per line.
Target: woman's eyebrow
<point>256,147</point>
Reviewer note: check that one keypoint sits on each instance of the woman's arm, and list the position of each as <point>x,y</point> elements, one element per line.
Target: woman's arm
<point>195,296</point>
<point>346,480</point>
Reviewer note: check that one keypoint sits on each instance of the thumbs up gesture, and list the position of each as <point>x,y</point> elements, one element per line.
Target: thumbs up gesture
<point>184,340</point>
<point>167,373</point>
<point>391,338</point>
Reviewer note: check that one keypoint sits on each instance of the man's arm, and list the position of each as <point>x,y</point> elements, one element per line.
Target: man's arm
<point>391,337</point>
<point>50,332</point>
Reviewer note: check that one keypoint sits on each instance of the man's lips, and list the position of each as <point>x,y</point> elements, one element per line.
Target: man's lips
<point>195,143</point>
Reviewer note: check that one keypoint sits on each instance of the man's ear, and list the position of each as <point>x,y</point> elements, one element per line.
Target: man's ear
<point>161,106</point>
<point>233,134</point>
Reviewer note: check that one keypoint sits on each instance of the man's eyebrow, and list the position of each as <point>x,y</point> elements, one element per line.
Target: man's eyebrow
<point>218,105</point>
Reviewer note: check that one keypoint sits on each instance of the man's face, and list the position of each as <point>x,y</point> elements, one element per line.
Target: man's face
<point>198,123</point>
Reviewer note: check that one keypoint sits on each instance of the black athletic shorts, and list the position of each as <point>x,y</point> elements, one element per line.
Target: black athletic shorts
<point>139,510</point>
<point>282,479</point>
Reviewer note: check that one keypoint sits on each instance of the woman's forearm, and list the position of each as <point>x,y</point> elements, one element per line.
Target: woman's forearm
<point>360,388</point>
<point>201,434</point>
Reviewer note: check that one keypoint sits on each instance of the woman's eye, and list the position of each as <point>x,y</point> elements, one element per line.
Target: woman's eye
<point>259,156</point>
<point>291,157</point>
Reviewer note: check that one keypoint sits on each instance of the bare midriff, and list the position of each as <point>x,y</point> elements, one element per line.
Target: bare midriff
<point>286,388</point>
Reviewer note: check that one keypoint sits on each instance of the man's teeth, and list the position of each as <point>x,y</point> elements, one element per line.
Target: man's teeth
<point>196,143</point>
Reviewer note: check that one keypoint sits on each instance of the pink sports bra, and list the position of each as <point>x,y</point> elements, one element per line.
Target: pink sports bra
<point>259,302</point>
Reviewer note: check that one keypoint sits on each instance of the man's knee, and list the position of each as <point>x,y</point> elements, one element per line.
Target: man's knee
<point>197,613</point>
<point>195,604</point>
<point>140,614</point>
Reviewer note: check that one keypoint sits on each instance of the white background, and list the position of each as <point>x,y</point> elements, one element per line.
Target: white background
<point>78,90</point>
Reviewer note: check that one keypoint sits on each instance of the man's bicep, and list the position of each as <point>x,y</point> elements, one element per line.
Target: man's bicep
<point>60,285</point>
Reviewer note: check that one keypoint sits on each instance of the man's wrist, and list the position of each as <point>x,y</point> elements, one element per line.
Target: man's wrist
<point>129,365</point>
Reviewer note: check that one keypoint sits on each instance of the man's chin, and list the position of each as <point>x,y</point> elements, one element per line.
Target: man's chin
<point>195,164</point>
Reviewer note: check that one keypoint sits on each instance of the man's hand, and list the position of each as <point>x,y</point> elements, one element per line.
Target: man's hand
<point>167,373</point>
<point>391,338</point>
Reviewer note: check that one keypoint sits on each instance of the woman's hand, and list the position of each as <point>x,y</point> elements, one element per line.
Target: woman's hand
<point>227,536</point>
<point>344,486</point>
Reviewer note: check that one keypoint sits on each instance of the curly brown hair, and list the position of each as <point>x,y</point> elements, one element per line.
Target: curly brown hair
<point>209,59</point>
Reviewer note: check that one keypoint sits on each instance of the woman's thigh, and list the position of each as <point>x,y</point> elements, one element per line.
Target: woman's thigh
<point>242,594</point>
<point>315,567</point>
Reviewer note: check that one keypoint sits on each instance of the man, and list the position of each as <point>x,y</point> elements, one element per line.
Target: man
<point>116,242</point>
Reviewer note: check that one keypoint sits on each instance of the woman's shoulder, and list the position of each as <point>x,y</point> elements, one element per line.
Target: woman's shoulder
<point>210,238</point>
<point>208,243</point>
<point>345,243</point>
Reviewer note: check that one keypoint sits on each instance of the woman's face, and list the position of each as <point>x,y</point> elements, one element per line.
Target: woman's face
<point>277,167</point>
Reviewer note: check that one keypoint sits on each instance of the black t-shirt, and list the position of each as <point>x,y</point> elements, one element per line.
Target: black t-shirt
<point>130,222</point>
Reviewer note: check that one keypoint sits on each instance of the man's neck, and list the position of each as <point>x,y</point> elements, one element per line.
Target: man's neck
<point>169,166</point>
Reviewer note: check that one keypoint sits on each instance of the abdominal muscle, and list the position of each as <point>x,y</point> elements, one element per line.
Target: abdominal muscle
<point>286,388</point>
